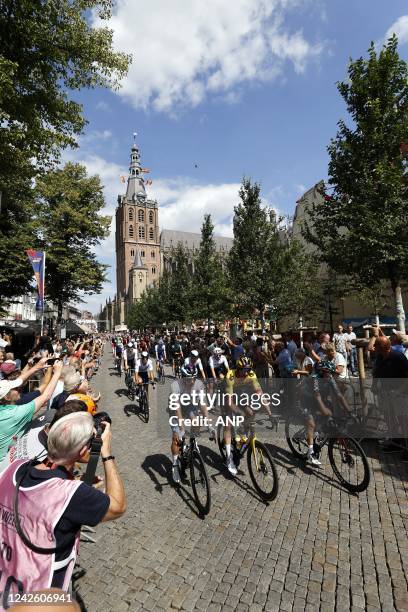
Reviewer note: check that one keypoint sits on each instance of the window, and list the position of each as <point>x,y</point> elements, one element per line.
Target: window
<point>151,217</point>
<point>142,253</point>
<point>130,231</point>
<point>154,270</point>
<point>151,233</point>
<point>131,214</point>
<point>132,253</point>
<point>141,232</point>
<point>141,216</point>
<point>153,254</point>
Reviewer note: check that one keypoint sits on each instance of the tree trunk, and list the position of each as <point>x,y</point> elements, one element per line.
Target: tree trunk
<point>262,313</point>
<point>399,308</point>
<point>59,316</point>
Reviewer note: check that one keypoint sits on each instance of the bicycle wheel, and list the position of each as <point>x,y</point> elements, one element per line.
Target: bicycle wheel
<point>349,463</point>
<point>262,471</point>
<point>146,407</point>
<point>200,482</point>
<point>296,439</point>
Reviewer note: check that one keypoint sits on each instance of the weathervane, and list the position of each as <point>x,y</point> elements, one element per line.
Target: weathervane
<point>134,136</point>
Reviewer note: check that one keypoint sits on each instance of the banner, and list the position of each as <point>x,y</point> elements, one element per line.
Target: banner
<point>37,259</point>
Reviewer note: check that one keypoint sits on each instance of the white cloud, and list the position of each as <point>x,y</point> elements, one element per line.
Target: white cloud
<point>102,106</point>
<point>400,28</point>
<point>182,50</point>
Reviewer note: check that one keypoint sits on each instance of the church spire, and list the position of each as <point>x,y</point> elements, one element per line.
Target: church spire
<point>135,185</point>
<point>138,263</point>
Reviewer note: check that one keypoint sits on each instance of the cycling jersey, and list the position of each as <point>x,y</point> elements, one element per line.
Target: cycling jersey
<point>249,379</point>
<point>144,367</point>
<point>218,362</point>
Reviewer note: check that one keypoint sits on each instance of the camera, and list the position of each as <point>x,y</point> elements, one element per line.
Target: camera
<point>99,425</point>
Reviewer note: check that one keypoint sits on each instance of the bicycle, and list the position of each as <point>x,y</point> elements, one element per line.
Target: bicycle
<point>190,457</point>
<point>259,459</point>
<point>119,365</point>
<point>345,454</point>
<point>161,376</point>
<point>130,383</point>
<point>177,367</point>
<point>143,399</point>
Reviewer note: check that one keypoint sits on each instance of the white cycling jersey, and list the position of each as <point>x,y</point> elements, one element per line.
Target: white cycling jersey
<point>144,367</point>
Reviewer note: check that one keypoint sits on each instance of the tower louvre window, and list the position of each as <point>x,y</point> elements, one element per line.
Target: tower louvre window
<point>141,232</point>
<point>151,217</point>
<point>131,214</point>
<point>142,253</point>
<point>131,231</point>
<point>153,254</point>
<point>151,233</point>
<point>154,270</point>
<point>140,215</point>
<point>132,252</point>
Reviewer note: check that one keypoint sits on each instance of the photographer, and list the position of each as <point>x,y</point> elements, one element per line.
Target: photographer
<point>53,506</point>
<point>13,418</point>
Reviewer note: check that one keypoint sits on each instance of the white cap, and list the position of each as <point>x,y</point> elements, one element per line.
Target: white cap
<point>7,385</point>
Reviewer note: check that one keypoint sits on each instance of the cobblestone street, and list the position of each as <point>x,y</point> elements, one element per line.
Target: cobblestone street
<point>316,547</point>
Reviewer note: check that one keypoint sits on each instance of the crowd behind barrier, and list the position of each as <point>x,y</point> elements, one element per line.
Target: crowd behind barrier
<point>50,423</point>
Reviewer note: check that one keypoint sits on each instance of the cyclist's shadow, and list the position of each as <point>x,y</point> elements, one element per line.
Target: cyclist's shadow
<point>134,409</point>
<point>214,460</point>
<point>160,465</point>
<point>121,392</point>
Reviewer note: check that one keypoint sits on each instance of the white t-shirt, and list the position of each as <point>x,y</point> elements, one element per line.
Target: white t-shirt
<point>350,336</point>
<point>301,365</point>
<point>340,360</point>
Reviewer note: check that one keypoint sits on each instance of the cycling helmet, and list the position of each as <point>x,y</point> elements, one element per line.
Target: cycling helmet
<point>145,354</point>
<point>194,353</point>
<point>188,371</point>
<point>217,351</point>
<point>326,366</point>
<point>130,344</point>
<point>244,363</point>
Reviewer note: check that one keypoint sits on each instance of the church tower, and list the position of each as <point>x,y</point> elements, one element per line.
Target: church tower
<point>137,229</point>
<point>138,280</point>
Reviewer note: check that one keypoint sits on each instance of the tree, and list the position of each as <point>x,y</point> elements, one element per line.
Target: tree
<point>248,258</point>
<point>69,228</point>
<point>179,288</point>
<point>361,229</point>
<point>48,49</point>
<point>210,296</point>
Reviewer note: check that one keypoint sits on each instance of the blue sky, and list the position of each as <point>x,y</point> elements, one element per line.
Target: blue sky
<point>242,88</point>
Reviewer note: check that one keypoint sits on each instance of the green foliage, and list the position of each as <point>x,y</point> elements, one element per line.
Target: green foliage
<point>363,232</point>
<point>69,227</point>
<point>210,294</point>
<point>48,48</point>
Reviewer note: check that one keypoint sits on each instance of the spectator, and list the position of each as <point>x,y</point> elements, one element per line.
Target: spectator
<point>73,383</point>
<point>283,360</point>
<point>351,349</point>
<point>337,359</point>
<point>55,505</point>
<point>397,342</point>
<point>13,418</point>
<point>339,341</point>
<point>237,350</point>
<point>303,363</point>
<point>291,345</point>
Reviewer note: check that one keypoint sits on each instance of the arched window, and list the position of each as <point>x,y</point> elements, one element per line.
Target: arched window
<point>142,253</point>
<point>130,231</point>
<point>132,252</point>
<point>131,214</point>
<point>141,232</point>
<point>140,216</point>
<point>153,254</point>
<point>151,233</point>
<point>151,217</point>
<point>154,270</point>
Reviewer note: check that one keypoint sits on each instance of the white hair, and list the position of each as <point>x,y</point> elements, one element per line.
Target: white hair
<point>68,435</point>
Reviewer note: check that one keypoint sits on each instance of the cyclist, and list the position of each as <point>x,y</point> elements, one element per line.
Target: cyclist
<point>195,361</point>
<point>118,350</point>
<point>176,353</point>
<point>144,370</point>
<point>130,358</point>
<point>241,378</point>
<point>217,366</point>
<point>160,351</point>
<point>185,387</point>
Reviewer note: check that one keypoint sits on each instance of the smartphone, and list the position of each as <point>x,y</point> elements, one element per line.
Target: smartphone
<point>51,361</point>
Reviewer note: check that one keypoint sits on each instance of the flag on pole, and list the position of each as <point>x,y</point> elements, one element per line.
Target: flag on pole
<point>37,259</point>
<point>122,179</point>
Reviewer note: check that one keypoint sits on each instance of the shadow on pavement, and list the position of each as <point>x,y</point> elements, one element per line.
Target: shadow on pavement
<point>390,463</point>
<point>286,460</point>
<point>133,409</point>
<point>160,465</point>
